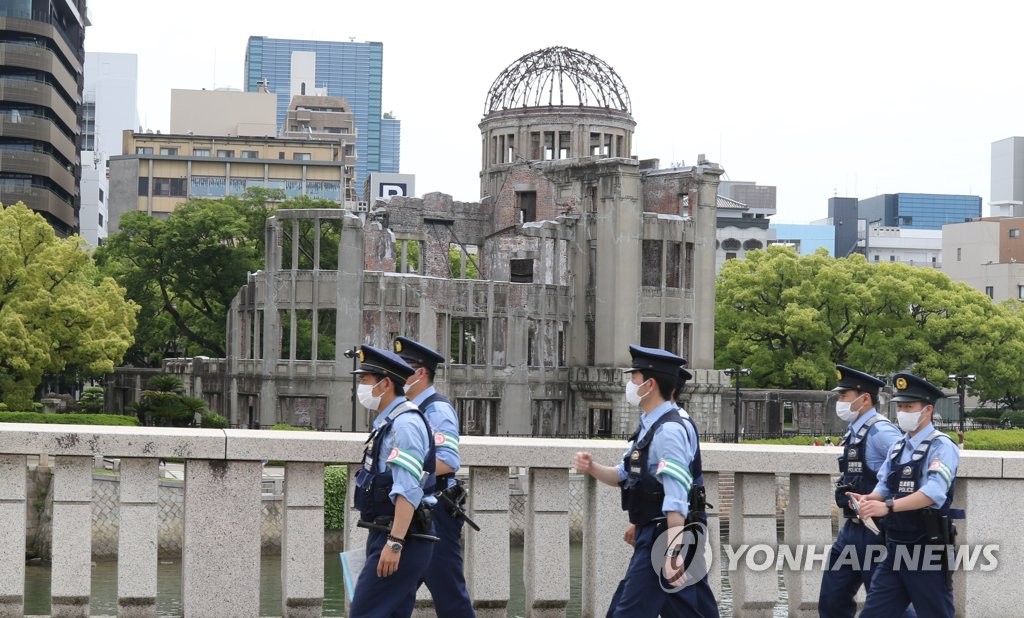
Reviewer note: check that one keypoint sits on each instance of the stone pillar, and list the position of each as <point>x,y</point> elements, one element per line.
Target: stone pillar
<point>12,535</point>
<point>714,499</point>
<point>71,585</point>
<point>546,550</point>
<point>137,538</point>
<point>983,585</point>
<point>605,555</point>
<point>487,551</point>
<point>808,525</point>
<point>221,554</point>
<point>752,523</point>
<point>302,541</point>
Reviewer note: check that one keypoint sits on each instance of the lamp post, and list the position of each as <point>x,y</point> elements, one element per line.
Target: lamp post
<point>961,389</point>
<point>737,372</point>
<point>353,353</point>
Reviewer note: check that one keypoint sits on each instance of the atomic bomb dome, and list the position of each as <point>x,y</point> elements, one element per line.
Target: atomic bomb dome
<point>557,76</point>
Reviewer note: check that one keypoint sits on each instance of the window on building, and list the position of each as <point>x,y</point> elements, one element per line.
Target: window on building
<point>990,291</point>
<point>101,195</point>
<point>673,264</point>
<point>672,337</point>
<point>250,154</point>
<point>225,154</point>
<point>169,151</point>
<point>1015,232</point>
<point>101,219</point>
<point>564,141</point>
<point>280,155</point>
<point>527,206</point>
<point>407,256</point>
<point>144,150</point>
<point>892,258</point>
<point>143,185</point>
<point>302,156</point>
<point>467,341</point>
<point>650,334</point>
<point>591,343</point>
<point>600,422</point>
<point>1020,291</point>
<point>476,416</point>
<point>200,152</point>
<point>169,187</point>
<point>958,254</point>
<point>650,264</point>
<point>730,255</point>
<point>684,349</point>
<point>688,267</point>
<point>464,261</point>
<point>521,271</point>
<point>876,257</point>
<point>547,418</point>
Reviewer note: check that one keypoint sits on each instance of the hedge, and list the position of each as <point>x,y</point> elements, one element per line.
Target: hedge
<point>69,419</point>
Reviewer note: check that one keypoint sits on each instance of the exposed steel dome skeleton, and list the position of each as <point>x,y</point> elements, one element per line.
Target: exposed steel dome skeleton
<point>557,76</point>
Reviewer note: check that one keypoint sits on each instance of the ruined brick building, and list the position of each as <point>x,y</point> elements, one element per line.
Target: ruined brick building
<point>575,249</point>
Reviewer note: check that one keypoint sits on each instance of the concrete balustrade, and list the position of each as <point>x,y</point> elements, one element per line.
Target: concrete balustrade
<point>221,551</point>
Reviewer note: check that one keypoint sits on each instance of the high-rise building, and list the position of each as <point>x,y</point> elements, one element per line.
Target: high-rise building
<point>1007,196</point>
<point>390,144</point>
<point>344,69</point>
<point>109,106</point>
<point>42,56</point>
<point>923,211</point>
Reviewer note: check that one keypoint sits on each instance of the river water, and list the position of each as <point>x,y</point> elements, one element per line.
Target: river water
<point>104,588</point>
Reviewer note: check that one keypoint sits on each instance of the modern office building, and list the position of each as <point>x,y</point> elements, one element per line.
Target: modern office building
<point>1007,196</point>
<point>923,211</point>
<point>325,120</point>
<point>162,171</point>
<point>41,80</point>
<point>390,144</point>
<point>988,255</point>
<point>345,69</point>
<point>805,238</point>
<point>110,106</point>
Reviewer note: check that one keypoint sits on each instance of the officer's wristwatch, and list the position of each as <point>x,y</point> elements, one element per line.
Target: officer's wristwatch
<point>889,504</point>
<point>395,544</point>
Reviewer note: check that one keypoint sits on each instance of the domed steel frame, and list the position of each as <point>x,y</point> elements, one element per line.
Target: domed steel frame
<point>550,77</point>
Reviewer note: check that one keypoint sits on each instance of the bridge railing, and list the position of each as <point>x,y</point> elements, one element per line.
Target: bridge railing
<point>222,511</point>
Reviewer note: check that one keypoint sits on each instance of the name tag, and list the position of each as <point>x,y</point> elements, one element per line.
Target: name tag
<point>906,487</point>
<point>854,467</point>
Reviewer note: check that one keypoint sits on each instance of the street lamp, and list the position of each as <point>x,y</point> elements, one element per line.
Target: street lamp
<point>353,353</point>
<point>961,389</point>
<point>737,372</point>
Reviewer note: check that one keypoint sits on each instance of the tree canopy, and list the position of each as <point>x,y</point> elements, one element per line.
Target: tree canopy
<point>185,270</point>
<point>791,318</point>
<point>56,310</point>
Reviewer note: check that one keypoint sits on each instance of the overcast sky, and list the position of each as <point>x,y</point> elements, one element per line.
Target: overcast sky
<point>818,98</point>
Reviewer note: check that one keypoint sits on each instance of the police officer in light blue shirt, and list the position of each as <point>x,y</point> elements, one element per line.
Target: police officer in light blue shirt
<point>655,478</point>
<point>392,490</point>
<point>444,577</point>
<point>914,493</point>
<point>868,438</point>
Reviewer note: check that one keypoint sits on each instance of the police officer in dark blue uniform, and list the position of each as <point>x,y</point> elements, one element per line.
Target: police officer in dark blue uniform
<point>444,577</point>
<point>656,479</point>
<point>857,550</point>
<point>914,494</point>
<point>391,488</point>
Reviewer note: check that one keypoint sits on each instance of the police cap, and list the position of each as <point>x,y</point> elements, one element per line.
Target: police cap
<point>908,387</point>
<point>656,360</point>
<point>384,363</point>
<point>851,379</point>
<point>414,352</point>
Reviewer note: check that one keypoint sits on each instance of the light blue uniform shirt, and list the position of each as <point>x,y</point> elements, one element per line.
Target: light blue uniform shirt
<point>668,458</point>
<point>880,438</point>
<point>938,471</point>
<point>444,422</point>
<point>404,450</point>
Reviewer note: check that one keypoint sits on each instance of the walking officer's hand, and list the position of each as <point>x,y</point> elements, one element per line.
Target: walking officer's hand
<point>582,462</point>
<point>388,563</point>
<point>630,535</point>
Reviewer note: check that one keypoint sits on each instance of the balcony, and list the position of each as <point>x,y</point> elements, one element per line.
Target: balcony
<point>223,489</point>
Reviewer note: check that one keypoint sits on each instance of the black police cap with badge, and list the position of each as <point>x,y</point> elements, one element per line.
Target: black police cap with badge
<point>851,379</point>
<point>656,360</point>
<point>908,387</point>
<point>413,351</point>
<point>383,363</point>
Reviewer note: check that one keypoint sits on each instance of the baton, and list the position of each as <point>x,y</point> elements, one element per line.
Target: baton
<point>412,535</point>
<point>459,510</point>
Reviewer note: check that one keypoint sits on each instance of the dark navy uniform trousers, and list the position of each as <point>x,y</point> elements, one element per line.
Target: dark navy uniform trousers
<point>640,594</point>
<point>894,587</point>
<point>445,577</point>
<point>393,596</point>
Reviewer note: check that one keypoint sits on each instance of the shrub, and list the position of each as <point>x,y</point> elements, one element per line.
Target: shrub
<point>287,427</point>
<point>212,420</point>
<point>335,487</point>
<point>91,401</point>
<point>68,419</point>
<point>1015,417</point>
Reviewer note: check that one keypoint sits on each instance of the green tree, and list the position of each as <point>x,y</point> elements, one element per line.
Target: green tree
<point>56,310</point>
<point>91,401</point>
<point>790,318</point>
<point>455,259</point>
<point>164,404</point>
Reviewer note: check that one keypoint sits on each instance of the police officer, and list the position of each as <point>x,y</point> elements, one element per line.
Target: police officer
<point>655,477</point>
<point>397,475</point>
<point>444,577</point>
<point>865,446</point>
<point>914,493</point>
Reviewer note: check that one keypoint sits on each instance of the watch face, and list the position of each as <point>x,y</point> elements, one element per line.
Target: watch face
<point>395,547</point>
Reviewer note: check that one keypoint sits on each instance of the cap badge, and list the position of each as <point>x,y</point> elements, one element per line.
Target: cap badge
<point>362,356</point>
<point>398,346</point>
<point>901,383</point>
<point>839,375</point>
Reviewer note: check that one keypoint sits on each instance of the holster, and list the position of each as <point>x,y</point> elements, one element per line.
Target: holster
<point>940,530</point>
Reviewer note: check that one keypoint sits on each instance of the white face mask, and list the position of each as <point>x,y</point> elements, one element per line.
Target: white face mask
<point>365,396</point>
<point>408,386</point>
<point>633,397</point>
<point>908,420</point>
<point>844,411</point>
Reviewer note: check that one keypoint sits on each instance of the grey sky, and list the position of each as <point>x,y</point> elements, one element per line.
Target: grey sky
<point>818,98</point>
